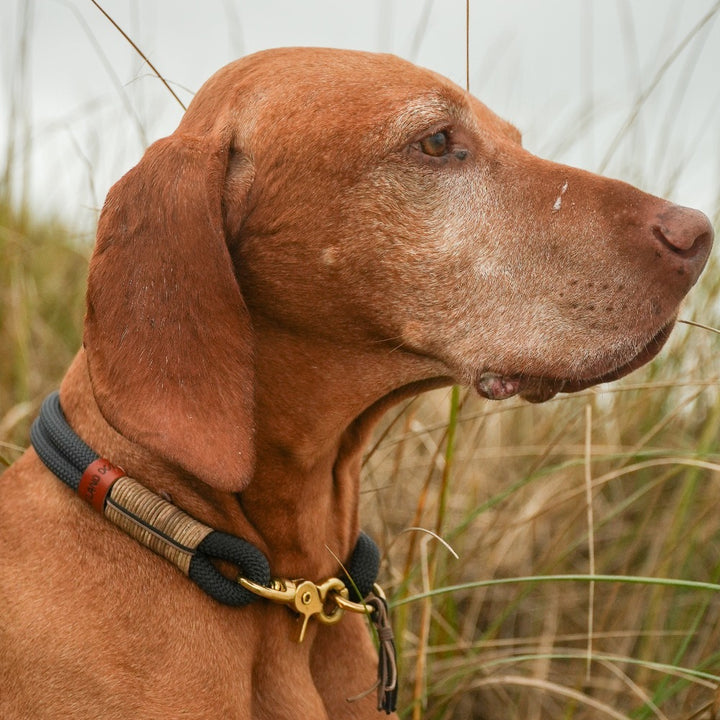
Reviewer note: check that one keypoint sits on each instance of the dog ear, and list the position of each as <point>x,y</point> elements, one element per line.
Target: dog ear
<point>167,334</point>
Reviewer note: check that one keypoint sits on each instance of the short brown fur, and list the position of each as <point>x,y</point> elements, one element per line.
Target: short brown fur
<point>266,282</point>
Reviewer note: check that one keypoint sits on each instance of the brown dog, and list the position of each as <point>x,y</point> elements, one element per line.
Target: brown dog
<point>326,233</point>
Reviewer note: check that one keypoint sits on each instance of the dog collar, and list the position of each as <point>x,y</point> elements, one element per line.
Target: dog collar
<point>192,546</point>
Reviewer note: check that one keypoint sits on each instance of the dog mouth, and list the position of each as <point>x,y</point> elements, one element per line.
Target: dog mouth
<point>537,389</point>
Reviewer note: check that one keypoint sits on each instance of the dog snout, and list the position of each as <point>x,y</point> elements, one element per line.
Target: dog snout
<point>687,234</point>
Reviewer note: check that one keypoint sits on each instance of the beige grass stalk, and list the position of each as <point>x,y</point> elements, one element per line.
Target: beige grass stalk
<point>591,536</point>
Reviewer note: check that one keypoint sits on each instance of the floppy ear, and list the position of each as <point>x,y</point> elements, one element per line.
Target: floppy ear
<point>167,334</point>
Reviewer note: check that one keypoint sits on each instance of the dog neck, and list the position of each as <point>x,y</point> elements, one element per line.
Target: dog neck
<point>301,506</point>
<point>316,407</point>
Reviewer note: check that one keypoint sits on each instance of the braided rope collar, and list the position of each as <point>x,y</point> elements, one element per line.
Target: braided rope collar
<point>193,546</point>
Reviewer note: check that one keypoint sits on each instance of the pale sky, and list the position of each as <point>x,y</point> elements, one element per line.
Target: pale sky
<point>568,73</point>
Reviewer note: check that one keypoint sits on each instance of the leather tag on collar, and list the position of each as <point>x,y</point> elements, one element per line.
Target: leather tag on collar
<point>96,482</point>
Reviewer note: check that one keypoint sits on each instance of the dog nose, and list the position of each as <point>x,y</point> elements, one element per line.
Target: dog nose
<point>687,233</point>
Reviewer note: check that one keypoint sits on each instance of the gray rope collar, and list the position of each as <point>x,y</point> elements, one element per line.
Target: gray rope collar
<point>194,547</point>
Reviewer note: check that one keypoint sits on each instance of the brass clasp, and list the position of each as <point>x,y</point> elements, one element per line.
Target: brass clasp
<point>327,602</point>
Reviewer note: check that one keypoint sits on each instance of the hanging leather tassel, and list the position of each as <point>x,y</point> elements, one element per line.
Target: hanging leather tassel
<point>387,689</point>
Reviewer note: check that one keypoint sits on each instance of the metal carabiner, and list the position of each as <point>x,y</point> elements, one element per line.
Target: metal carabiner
<point>303,596</point>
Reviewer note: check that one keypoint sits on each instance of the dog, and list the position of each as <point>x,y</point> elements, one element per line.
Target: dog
<point>326,233</point>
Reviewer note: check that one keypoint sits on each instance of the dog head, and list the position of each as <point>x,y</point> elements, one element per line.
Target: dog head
<point>357,199</point>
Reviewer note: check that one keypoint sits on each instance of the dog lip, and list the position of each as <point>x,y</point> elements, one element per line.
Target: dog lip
<point>647,353</point>
<point>537,389</point>
<point>494,386</point>
<point>497,387</point>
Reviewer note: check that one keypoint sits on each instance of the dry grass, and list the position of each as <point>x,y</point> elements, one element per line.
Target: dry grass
<point>644,453</point>
<point>42,301</point>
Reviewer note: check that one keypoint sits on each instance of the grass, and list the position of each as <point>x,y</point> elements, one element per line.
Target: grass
<point>508,631</point>
<point>42,302</point>
<point>518,508</point>
<point>565,561</point>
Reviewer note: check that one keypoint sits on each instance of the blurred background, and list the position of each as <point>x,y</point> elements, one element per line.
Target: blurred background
<point>606,85</point>
<point>585,529</point>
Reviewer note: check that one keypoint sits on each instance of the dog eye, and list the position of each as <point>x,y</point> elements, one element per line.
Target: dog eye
<point>436,145</point>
